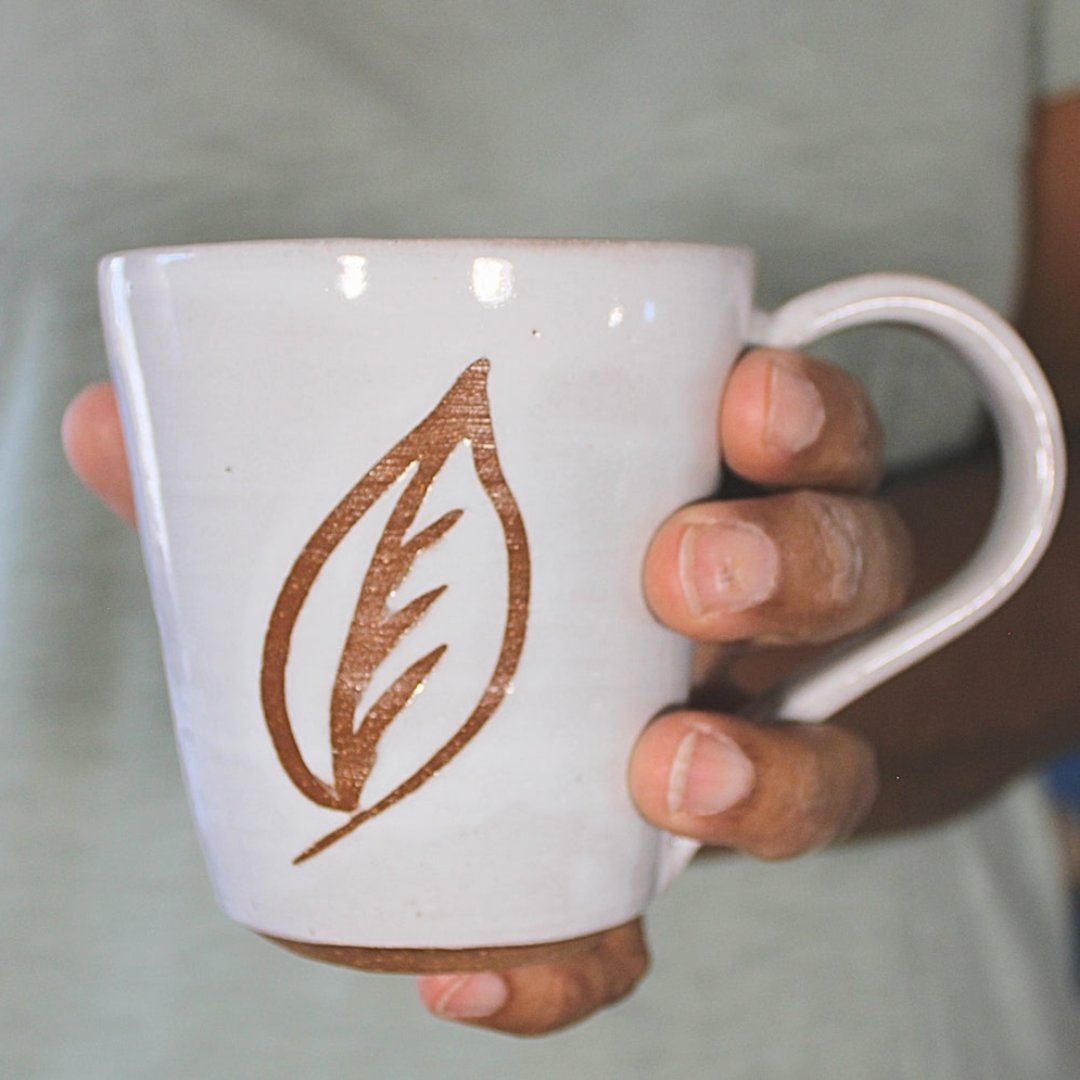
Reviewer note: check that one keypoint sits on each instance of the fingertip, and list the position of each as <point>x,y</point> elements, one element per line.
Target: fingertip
<point>474,996</point>
<point>661,580</point>
<point>537,999</point>
<point>92,438</point>
<point>794,410</point>
<point>788,419</point>
<point>710,569</point>
<point>82,411</point>
<point>687,767</point>
<point>650,765</point>
<point>745,412</point>
<point>429,988</point>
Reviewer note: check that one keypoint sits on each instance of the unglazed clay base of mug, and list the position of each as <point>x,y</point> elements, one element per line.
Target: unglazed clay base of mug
<point>436,961</point>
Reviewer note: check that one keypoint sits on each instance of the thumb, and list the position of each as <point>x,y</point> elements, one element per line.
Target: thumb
<point>93,442</point>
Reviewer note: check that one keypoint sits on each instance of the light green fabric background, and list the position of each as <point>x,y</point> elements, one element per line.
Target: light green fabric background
<point>834,137</point>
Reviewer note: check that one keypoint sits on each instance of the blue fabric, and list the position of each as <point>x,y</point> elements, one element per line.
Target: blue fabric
<point>1063,779</point>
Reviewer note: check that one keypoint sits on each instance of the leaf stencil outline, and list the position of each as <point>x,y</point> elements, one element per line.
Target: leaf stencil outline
<point>462,415</point>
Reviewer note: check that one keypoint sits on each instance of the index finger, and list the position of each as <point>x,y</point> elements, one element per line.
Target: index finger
<point>789,420</point>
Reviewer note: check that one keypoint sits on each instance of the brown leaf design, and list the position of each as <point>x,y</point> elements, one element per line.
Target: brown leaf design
<point>463,415</point>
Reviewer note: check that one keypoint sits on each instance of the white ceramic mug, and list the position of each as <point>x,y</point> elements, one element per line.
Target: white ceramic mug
<point>394,498</point>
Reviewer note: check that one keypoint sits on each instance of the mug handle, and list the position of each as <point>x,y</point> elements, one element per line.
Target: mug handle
<point>1029,502</point>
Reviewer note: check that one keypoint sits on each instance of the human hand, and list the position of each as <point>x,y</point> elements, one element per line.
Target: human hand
<point>816,559</point>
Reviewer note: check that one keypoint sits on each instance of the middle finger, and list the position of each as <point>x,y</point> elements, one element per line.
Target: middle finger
<point>794,568</point>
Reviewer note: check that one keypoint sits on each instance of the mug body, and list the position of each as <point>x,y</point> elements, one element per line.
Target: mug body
<point>394,499</point>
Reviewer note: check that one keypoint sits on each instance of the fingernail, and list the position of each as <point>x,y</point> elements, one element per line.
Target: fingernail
<point>709,775</point>
<point>469,997</point>
<point>727,568</point>
<point>796,414</point>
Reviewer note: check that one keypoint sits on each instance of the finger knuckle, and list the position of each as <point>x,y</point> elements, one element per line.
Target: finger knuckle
<point>864,788</point>
<point>807,813</point>
<point>794,837</point>
<point>630,973</point>
<point>835,575</point>
<point>573,997</point>
<point>901,550</point>
<point>867,439</point>
<point>778,849</point>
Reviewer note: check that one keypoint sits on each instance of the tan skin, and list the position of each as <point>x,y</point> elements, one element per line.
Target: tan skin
<point>922,748</point>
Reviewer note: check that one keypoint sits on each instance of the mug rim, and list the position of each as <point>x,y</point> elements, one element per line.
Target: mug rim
<point>547,244</point>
